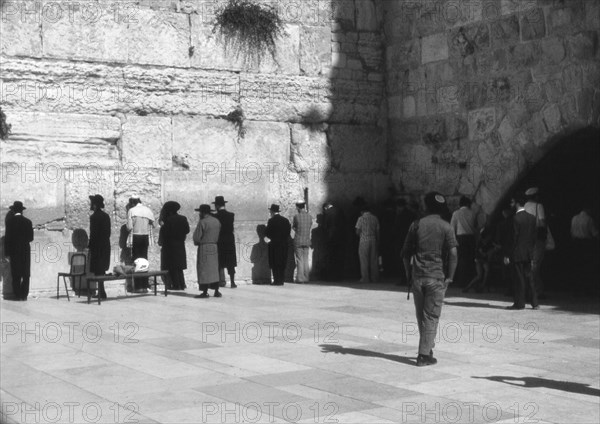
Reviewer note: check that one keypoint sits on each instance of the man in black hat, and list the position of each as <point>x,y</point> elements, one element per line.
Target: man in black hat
<point>278,231</point>
<point>427,243</point>
<point>226,244</point>
<point>99,244</point>
<point>206,237</point>
<point>171,238</point>
<point>19,233</point>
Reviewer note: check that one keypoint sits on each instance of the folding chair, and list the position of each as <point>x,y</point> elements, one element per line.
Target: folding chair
<point>78,270</point>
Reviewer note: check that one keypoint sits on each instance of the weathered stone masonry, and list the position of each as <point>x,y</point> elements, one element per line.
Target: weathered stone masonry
<point>478,90</point>
<point>462,96</point>
<point>111,98</point>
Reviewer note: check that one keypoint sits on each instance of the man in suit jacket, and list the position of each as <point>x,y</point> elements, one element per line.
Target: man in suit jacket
<point>278,231</point>
<point>19,233</point>
<point>524,237</point>
<point>171,238</point>
<point>99,244</point>
<point>226,244</point>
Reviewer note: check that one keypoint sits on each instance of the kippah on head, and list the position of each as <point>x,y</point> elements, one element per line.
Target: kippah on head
<point>435,202</point>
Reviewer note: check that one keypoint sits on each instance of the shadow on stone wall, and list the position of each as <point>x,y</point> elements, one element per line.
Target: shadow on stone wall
<point>568,176</point>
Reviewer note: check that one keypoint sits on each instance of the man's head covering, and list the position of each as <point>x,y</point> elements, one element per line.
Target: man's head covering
<point>532,191</point>
<point>97,200</point>
<point>17,207</point>
<point>301,204</point>
<point>171,206</point>
<point>435,202</point>
<point>220,201</point>
<point>204,209</point>
<point>274,208</point>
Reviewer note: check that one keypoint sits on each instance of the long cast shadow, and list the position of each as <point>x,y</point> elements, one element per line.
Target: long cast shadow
<point>328,348</point>
<point>533,382</point>
<point>474,305</point>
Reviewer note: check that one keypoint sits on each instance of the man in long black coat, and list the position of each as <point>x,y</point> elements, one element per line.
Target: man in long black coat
<point>171,238</point>
<point>19,233</point>
<point>99,244</point>
<point>226,243</point>
<point>524,238</point>
<point>278,231</point>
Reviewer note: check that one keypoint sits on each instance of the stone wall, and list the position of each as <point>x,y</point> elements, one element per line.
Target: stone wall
<point>130,97</point>
<point>479,89</point>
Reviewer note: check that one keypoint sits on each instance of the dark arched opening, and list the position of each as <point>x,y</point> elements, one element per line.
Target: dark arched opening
<point>568,176</point>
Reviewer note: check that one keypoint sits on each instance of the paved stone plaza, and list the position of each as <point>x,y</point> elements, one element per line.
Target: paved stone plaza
<point>297,353</point>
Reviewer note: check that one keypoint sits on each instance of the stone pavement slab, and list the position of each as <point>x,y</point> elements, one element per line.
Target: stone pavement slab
<point>298,353</point>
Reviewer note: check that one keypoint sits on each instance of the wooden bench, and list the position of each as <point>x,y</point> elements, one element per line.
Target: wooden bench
<point>133,276</point>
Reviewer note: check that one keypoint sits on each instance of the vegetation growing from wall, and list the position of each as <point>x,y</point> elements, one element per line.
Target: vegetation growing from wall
<point>249,30</point>
<point>4,126</point>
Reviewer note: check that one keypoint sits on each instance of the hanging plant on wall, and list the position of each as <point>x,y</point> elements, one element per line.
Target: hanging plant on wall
<point>249,29</point>
<point>237,117</point>
<point>4,126</point>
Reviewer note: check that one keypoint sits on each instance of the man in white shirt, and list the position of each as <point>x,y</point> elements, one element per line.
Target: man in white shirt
<point>464,224</point>
<point>140,223</point>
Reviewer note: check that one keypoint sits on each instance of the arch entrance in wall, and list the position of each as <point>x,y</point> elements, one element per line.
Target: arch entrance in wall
<point>568,176</point>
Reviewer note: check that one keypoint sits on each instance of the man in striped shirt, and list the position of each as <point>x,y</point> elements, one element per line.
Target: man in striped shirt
<point>302,224</point>
<point>367,229</point>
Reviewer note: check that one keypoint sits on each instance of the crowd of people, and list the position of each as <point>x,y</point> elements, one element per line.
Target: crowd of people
<point>428,251</point>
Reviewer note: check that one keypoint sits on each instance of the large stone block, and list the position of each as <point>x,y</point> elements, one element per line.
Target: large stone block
<point>434,47</point>
<point>248,199</point>
<point>94,35</point>
<point>40,186</point>
<point>315,50</point>
<point>147,142</point>
<point>21,33</point>
<point>144,182</point>
<point>553,50</point>
<point>66,128</point>
<point>265,144</point>
<point>533,25</point>
<point>505,31</point>
<point>159,38</point>
<point>357,149</point>
<point>524,55</point>
<point>583,45</point>
<point>310,152</point>
<point>481,123</point>
<point>367,15</point>
<point>77,87</point>
<point>204,144</point>
<point>407,53</point>
<point>86,182</point>
<point>466,40</point>
<point>565,20</point>
<point>342,188</point>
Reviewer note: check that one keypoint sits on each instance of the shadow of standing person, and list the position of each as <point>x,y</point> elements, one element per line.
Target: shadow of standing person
<point>259,257</point>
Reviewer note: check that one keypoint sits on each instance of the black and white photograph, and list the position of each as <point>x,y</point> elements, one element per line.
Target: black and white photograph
<point>300,211</point>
